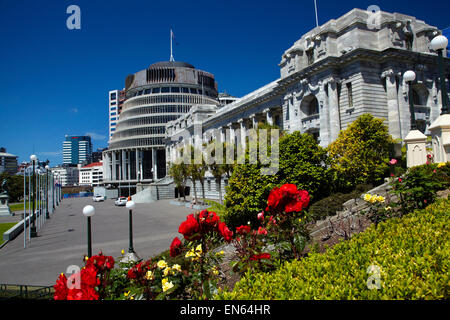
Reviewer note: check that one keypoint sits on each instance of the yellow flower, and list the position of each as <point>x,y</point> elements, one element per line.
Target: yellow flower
<point>215,271</point>
<point>166,271</point>
<point>176,267</point>
<point>166,285</point>
<point>122,252</point>
<point>380,199</point>
<point>387,208</point>
<point>149,275</point>
<point>126,293</point>
<point>162,264</point>
<point>199,248</point>
<point>441,164</point>
<point>373,198</point>
<point>220,253</point>
<point>367,197</point>
<point>190,253</point>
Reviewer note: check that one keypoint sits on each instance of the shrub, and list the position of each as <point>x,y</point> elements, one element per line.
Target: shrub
<point>411,252</point>
<point>247,194</point>
<point>302,162</point>
<point>330,205</point>
<point>418,187</point>
<point>361,153</point>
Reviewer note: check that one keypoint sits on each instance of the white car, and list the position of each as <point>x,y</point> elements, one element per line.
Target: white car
<point>98,198</point>
<point>121,201</point>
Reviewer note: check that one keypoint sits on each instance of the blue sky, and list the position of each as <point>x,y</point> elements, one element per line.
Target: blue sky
<point>55,81</point>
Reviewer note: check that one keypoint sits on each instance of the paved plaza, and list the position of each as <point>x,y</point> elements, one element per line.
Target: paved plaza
<point>62,240</point>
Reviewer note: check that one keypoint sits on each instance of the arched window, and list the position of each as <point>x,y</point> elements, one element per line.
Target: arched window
<point>309,106</point>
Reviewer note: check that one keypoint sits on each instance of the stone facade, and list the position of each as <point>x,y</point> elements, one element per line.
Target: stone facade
<point>332,75</point>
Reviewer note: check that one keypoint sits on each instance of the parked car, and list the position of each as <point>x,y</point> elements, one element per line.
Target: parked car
<point>98,198</point>
<point>121,201</point>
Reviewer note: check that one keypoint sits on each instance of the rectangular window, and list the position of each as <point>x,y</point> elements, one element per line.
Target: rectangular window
<point>113,103</point>
<point>193,90</point>
<point>113,96</point>
<point>349,94</point>
<point>175,89</point>
<point>147,91</point>
<point>185,90</point>
<point>155,90</point>
<point>165,89</point>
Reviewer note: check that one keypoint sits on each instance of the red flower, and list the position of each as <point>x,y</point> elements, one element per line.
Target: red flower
<point>225,232</point>
<point>262,231</point>
<point>101,262</point>
<point>260,256</point>
<point>208,220</point>
<point>60,288</point>
<point>261,216</point>
<point>190,228</point>
<point>287,198</point>
<point>243,229</point>
<point>175,247</point>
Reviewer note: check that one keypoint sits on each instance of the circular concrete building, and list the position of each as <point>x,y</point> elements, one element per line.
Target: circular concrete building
<point>161,93</point>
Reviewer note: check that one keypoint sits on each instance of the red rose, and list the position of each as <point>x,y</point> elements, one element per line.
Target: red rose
<point>208,220</point>
<point>274,199</point>
<point>287,198</point>
<point>101,262</point>
<point>243,229</point>
<point>89,276</point>
<point>262,231</point>
<point>190,228</point>
<point>60,288</point>
<point>225,232</point>
<point>260,256</point>
<point>175,247</point>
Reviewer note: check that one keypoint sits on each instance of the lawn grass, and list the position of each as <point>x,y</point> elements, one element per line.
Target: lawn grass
<point>5,227</point>
<point>19,206</point>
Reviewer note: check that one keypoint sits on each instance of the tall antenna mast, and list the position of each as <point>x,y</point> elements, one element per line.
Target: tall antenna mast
<point>315,7</point>
<point>171,52</point>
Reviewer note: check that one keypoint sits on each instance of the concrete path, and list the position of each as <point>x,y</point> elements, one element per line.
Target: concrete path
<point>62,240</point>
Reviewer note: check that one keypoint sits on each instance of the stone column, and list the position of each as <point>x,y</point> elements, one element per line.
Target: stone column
<point>137,165</point>
<point>123,165</point>
<point>333,103</point>
<point>243,130</point>
<point>254,121</point>
<point>154,163</point>
<point>392,103</point>
<point>114,164</point>
<point>269,118</point>
<point>324,115</point>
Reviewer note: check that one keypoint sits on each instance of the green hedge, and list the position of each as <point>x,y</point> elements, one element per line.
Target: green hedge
<point>413,253</point>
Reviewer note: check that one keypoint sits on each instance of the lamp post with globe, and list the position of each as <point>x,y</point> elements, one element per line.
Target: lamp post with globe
<point>88,212</point>
<point>440,128</point>
<point>33,232</point>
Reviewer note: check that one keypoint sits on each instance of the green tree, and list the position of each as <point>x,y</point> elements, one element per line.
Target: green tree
<point>304,163</point>
<point>360,155</point>
<point>14,184</point>
<point>179,173</point>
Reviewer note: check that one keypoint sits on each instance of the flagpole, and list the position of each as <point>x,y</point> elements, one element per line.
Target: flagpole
<point>315,7</point>
<point>171,53</point>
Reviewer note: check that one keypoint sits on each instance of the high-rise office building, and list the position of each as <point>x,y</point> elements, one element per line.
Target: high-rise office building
<point>77,149</point>
<point>116,100</point>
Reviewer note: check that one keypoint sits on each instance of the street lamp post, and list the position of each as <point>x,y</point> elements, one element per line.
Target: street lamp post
<point>131,255</point>
<point>409,76</point>
<point>439,43</point>
<point>89,211</point>
<point>440,128</point>
<point>415,140</point>
<point>33,233</point>
<point>47,216</point>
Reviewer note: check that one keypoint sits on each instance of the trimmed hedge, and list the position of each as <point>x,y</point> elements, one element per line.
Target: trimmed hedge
<point>413,253</point>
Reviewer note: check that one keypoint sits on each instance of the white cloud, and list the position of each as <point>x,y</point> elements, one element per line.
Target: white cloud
<point>96,136</point>
<point>49,153</point>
